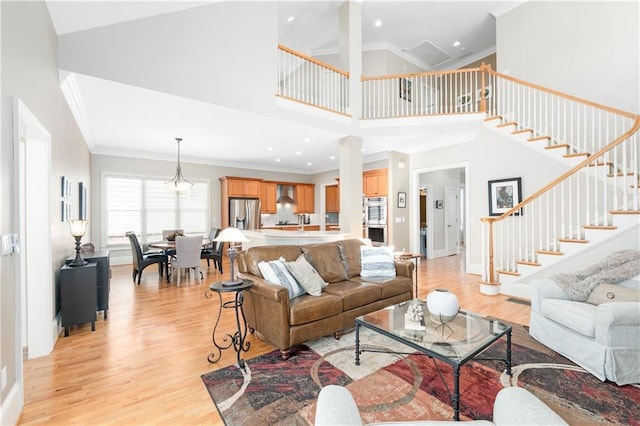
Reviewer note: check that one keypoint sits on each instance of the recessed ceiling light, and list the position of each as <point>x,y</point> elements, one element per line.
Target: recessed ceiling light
<point>277,160</point>
<point>307,140</point>
<point>290,19</point>
<point>456,43</point>
<point>298,153</point>
<point>377,23</point>
<point>309,163</point>
<point>270,148</point>
<point>333,157</point>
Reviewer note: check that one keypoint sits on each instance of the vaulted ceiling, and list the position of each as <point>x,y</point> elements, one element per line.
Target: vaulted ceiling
<point>422,32</point>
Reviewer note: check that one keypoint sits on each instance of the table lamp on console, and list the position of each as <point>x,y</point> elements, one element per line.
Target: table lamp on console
<point>78,228</point>
<point>231,235</point>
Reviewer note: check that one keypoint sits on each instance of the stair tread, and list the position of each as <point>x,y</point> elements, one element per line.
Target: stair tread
<point>528,262</point>
<point>577,154</point>
<point>517,132</point>
<point>624,212</point>
<point>513,273</point>
<point>538,138</point>
<point>599,227</point>
<point>554,253</point>
<point>510,123</point>
<point>495,117</point>
<point>573,240</point>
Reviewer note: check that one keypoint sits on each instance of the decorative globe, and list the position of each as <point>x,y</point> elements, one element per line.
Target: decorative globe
<point>443,305</point>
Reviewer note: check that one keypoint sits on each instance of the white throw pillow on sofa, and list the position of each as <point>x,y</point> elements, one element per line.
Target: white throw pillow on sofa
<point>276,272</point>
<point>306,275</point>
<point>377,262</point>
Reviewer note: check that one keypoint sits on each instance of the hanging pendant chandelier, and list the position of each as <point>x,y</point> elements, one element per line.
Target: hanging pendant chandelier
<point>178,183</point>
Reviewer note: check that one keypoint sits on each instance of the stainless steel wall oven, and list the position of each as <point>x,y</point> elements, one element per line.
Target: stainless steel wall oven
<point>375,211</point>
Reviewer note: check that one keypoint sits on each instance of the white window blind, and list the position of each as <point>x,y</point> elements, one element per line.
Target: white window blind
<point>146,206</point>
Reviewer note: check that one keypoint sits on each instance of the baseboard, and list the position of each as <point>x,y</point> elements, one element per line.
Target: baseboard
<point>11,406</point>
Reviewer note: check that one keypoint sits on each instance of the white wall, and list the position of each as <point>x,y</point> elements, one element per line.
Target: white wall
<point>589,49</point>
<point>490,156</point>
<point>29,71</point>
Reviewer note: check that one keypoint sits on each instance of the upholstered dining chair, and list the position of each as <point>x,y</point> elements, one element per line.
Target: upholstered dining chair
<point>187,255</point>
<point>142,260</point>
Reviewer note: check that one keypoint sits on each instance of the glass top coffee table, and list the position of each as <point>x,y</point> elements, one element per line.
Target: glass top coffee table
<point>455,342</point>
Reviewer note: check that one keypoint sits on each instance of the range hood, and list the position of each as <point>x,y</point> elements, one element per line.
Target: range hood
<point>284,197</point>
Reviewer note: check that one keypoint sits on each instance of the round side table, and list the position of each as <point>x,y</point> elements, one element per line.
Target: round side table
<point>237,339</point>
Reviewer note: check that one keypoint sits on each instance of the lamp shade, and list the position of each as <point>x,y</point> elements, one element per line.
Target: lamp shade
<point>77,228</point>
<point>231,235</point>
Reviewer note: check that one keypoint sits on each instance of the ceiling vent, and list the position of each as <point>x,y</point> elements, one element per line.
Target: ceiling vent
<point>284,195</point>
<point>428,53</point>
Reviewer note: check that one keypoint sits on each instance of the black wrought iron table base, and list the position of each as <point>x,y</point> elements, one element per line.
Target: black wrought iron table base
<point>237,340</point>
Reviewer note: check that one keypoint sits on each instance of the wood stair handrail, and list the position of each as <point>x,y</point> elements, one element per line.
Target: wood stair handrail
<point>313,60</point>
<point>487,68</point>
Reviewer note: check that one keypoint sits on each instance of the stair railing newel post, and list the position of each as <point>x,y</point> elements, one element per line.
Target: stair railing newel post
<point>483,97</point>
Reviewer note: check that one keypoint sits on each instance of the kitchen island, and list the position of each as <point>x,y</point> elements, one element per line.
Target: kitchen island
<point>270,237</point>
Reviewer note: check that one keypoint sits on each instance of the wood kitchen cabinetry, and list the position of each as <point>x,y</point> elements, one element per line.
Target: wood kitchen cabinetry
<point>305,198</point>
<point>375,183</point>
<point>243,187</point>
<point>268,196</point>
<point>332,199</point>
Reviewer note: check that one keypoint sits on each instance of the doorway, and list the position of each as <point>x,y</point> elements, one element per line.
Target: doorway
<point>33,172</point>
<point>442,190</point>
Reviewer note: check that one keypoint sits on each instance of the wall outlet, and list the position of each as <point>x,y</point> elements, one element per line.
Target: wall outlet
<point>7,244</point>
<point>4,377</point>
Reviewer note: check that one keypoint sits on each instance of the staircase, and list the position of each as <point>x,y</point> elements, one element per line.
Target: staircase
<point>596,200</point>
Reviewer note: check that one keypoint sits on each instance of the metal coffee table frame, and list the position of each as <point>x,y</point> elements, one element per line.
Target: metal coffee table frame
<point>494,336</point>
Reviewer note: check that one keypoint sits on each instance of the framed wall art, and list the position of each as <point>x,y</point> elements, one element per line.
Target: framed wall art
<point>504,194</point>
<point>405,89</point>
<point>82,201</point>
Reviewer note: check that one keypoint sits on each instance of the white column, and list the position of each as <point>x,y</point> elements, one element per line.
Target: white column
<point>351,186</point>
<point>350,55</point>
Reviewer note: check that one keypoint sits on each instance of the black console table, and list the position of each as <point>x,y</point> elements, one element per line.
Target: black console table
<point>78,294</point>
<point>101,259</point>
<point>236,339</point>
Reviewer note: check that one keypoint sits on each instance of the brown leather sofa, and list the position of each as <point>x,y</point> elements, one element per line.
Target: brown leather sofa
<point>286,323</point>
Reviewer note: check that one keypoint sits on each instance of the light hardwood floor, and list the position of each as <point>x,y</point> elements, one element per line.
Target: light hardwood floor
<point>143,364</point>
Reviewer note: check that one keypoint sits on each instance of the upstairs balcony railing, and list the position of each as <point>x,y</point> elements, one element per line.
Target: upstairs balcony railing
<point>304,79</point>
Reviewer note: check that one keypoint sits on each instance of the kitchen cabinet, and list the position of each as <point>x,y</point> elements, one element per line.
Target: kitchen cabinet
<point>305,198</point>
<point>375,183</point>
<point>78,295</point>
<point>268,196</point>
<point>243,187</point>
<point>332,199</point>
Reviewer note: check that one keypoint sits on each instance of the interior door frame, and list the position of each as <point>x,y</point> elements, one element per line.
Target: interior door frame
<point>32,147</point>
<point>452,247</point>
<point>414,226</point>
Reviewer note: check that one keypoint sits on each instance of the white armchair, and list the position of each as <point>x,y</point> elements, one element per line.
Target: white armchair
<point>603,339</point>
<point>513,406</point>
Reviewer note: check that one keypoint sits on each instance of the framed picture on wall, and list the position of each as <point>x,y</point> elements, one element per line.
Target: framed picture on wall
<point>82,201</point>
<point>405,89</point>
<point>504,194</point>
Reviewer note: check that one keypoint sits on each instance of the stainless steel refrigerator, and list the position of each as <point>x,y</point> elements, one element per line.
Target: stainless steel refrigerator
<point>244,213</point>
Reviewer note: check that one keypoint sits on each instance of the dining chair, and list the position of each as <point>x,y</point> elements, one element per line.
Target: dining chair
<point>209,249</point>
<point>215,254</point>
<point>187,255</point>
<point>142,260</point>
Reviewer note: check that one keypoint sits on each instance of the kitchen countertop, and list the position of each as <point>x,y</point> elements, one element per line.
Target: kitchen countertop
<point>267,237</point>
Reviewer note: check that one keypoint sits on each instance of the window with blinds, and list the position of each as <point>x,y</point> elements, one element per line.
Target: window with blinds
<point>146,206</point>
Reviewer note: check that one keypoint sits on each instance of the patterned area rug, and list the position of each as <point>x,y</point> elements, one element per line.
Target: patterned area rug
<point>395,387</point>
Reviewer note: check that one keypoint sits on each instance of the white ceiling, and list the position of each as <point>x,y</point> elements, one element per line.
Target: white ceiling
<point>124,120</point>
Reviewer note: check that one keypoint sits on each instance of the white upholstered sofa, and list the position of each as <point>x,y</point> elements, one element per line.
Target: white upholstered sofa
<point>513,406</point>
<point>604,339</point>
